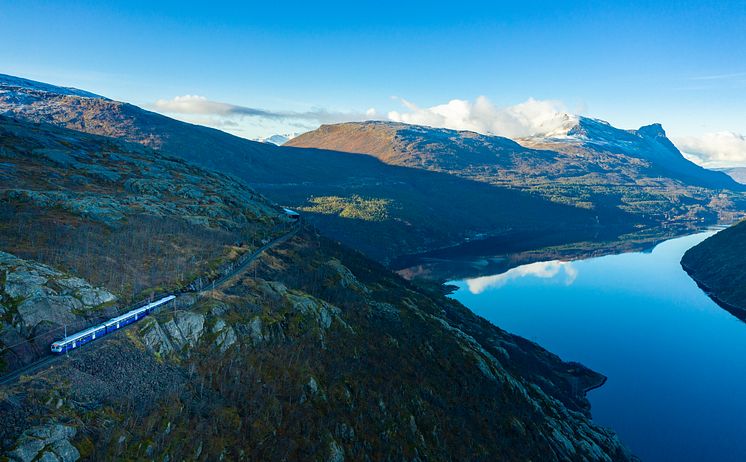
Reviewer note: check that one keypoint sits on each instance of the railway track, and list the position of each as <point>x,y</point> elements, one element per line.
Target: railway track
<point>49,359</point>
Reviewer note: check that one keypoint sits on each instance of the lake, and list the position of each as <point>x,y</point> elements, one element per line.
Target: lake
<point>675,361</point>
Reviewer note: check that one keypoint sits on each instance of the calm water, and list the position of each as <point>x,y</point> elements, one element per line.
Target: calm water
<point>676,362</point>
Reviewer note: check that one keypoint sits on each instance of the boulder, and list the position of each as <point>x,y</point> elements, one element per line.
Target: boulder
<point>336,453</point>
<point>226,335</point>
<point>154,338</point>
<point>56,309</point>
<point>185,328</point>
<point>26,450</point>
<point>94,297</point>
<point>46,443</point>
<point>255,331</point>
<point>71,283</point>
<point>26,283</point>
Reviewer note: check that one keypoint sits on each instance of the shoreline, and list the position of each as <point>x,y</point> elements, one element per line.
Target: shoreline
<point>734,310</point>
<point>600,384</point>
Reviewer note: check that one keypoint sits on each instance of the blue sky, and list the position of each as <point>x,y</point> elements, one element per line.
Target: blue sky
<point>630,63</point>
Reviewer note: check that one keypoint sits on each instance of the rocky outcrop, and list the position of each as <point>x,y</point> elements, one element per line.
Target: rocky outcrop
<point>338,275</point>
<point>154,337</point>
<point>35,294</point>
<point>226,336</point>
<point>185,328</point>
<point>54,309</point>
<point>320,311</point>
<point>48,443</point>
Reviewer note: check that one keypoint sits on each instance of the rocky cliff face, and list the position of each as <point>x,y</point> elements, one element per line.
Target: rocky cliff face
<point>49,442</point>
<point>36,304</point>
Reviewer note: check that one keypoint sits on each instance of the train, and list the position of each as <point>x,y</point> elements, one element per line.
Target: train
<point>73,341</point>
<point>92,333</point>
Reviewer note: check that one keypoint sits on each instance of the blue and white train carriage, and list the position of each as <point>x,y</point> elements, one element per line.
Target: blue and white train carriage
<point>92,333</point>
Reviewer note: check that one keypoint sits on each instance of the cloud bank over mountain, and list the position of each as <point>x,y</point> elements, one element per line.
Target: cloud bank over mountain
<point>718,149</point>
<point>230,117</point>
<point>533,117</point>
<point>529,118</point>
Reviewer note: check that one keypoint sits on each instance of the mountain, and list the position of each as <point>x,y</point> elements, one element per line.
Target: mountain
<point>83,111</point>
<point>314,353</point>
<point>18,86</point>
<point>737,173</point>
<point>718,265</point>
<point>277,140</point>
<point>384,210</point>
<point>590,163</point>
<point>649,144</point>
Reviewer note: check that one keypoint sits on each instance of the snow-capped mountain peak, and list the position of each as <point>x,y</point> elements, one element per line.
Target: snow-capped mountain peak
<point>276,139</point>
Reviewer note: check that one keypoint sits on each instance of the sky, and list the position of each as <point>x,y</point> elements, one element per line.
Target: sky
<point>503,67</point>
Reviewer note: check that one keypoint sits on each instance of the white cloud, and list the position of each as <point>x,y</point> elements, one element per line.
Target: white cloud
<point>543,270</point>
<point>719,149</point>
<point>250,122</point>
<point>195,104</point>
<point>532,117</point>
<point>529,118</point>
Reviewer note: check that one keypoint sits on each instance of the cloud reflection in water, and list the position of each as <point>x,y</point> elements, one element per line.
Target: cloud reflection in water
<point>544,270</point>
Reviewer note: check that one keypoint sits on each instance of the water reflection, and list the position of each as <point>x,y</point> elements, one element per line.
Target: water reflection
<point>675,361</point>
<point>559,271</point>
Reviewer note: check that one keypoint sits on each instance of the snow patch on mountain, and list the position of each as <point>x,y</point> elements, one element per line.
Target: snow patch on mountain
<point>276,139</point>
<point>12,83</point>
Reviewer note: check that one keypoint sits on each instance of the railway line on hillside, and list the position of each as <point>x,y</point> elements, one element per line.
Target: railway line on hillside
<point>242,264</point>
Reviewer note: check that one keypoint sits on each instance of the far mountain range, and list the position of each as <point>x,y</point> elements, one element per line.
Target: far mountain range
<point>277,140</point>
<point>391,189</point>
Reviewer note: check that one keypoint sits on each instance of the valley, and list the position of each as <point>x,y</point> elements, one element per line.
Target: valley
<point>372,231</point>
<point>295,344</point>
<point>307,334</point>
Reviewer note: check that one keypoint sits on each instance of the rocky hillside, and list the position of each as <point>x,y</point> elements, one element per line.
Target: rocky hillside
<point>123,217</point>
<point>718,264</point>
<point>381,209</point>
<point>37,302</point>
<point>315,352</point>
<point>84,111</point>
<point>65,195</point>
<point>658,157</point>
<point>591,164</point>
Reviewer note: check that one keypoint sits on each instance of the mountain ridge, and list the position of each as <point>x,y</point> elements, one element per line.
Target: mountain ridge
<point>590,163</point>
<point>382,209</point>
<point>20,82</point>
